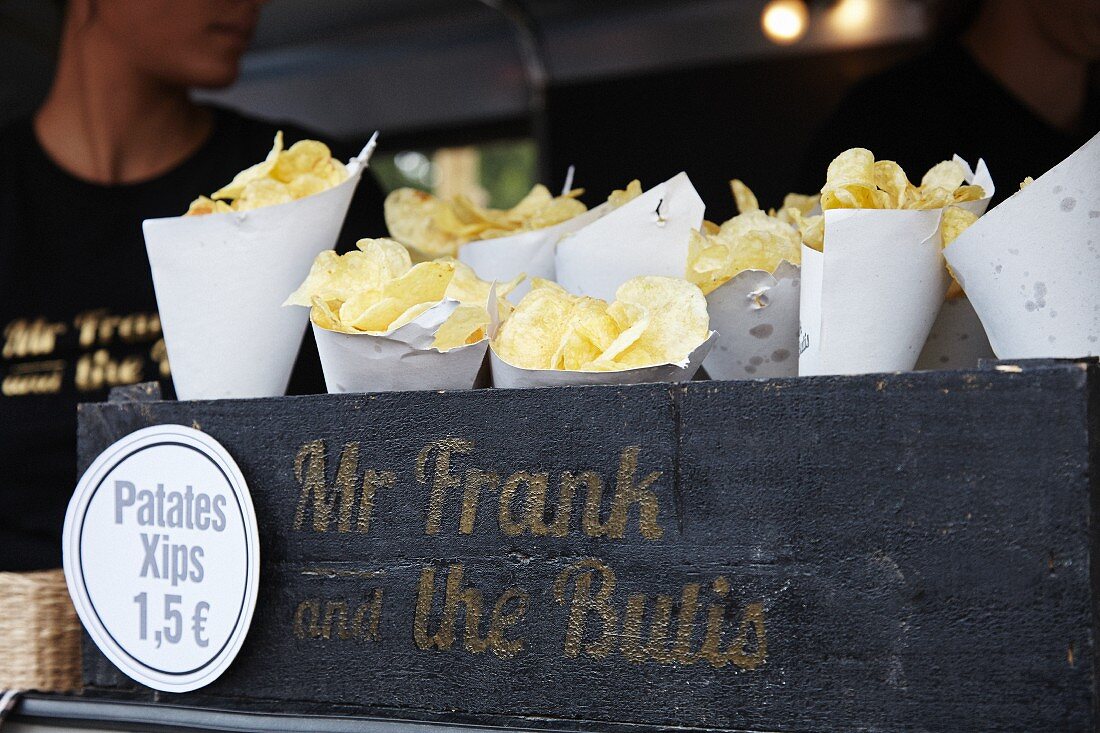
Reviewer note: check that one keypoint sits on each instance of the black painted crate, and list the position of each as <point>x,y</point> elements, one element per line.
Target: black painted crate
<point>906,552</point>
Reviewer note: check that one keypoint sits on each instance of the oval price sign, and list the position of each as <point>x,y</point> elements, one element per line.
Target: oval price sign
<point>161,556</point>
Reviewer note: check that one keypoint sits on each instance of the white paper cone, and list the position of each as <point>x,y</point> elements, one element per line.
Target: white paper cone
<point>868,303</point>
<point>632,240</point>
<point>1031,266</point>
<point>530,253</point>
<point>756,317</point>
<point>957,339</point>
<point>220,280</point>
<point>506,376</point>
<point>402,360</point>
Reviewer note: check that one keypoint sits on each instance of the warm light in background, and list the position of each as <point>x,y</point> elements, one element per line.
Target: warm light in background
<point>849,16</point>
<point>785,21</point>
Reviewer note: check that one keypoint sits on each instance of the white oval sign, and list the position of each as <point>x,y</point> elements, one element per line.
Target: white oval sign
<point>162,556</point>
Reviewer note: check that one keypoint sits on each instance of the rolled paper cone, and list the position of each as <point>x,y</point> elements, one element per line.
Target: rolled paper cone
<point>646,236</point>
<point>530,253</point>
<point>400,360</point>
<point>507,376</point>
<point>957,339</point>
<point>756,316</point>
<point>869,301</point>
<point>220,281</point>
<point>1031,266</point>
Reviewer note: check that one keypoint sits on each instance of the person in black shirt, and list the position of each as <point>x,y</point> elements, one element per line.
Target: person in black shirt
<point>1012,82</point>
<point>117,141</point>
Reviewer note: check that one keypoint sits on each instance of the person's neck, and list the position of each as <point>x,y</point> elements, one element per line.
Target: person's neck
<point>1051,83</point>
<point>106,122</point>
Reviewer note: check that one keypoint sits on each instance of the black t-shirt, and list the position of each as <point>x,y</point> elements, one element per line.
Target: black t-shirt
<point>78,313</point>
<point>941,103</point>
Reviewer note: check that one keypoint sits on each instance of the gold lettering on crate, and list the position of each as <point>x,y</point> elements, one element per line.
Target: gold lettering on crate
<point>23,337</point>
<point>339,619</point>
<point>33,378</point>
<point>350,497</point>
<point>509,610</point>
<point>593,626</point>
<point>524,495</point>
<point>100,328</point>
<point>98,370</point>
<point>158,352</point>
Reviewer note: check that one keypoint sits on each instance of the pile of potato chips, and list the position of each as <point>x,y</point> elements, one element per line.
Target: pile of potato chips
<point>306,168</point>
<point>438,227</point>
<point>653,321</point>
<point>752,240</point>
<point>855,180</point>
<point>376,289</point>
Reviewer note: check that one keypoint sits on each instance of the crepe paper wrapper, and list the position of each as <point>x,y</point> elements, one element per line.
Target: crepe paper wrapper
<point>869,301</point>
<point>632,240</point>
<point>507,376</point>
<point>221,279</point>
<point>400,360</point>
<point>756,316</point>
<point>957,339</point>
<point>530,253</point>
<point>1031,266</point>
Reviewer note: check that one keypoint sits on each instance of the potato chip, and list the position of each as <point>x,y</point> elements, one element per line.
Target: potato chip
<point>654,320</point>
<point>811,229</point>
<point>955,221</point>
<point>530,336</point>
<point>438,227</point>
<point>850,181</point>
<point>890,178</point>
<point>948,175</point>
<point>263,192</point>
<point>204,205</point>
<point>467,325</point>
<point>621,196</point>
<point>743,197</point>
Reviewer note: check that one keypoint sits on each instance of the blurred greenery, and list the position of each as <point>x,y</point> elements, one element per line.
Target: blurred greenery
<point>507,170</point>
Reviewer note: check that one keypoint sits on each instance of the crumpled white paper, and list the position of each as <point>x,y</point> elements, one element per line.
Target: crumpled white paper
<point>957,339</point>
<point>756,316</point>
<point>869,301</point>
<point>1031,266</point>
<point>220,280</point>
<point>400,360</point>
<point>507,376</point>
<point>531,253</point>
<point>646,236</point>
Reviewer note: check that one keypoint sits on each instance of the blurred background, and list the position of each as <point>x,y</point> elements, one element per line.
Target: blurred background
<point>489,97</point>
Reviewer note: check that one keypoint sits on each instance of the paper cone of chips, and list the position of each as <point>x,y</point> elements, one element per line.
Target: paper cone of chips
<point>868,301</point>
<point>530,253</point>
<point>656,330</point>
<point>756,316</point>
<point>1031,266</point>
<point>957,339</point>
<point>647,235</point>
<point>401,360</point>
<point>383,323</point>
<point>220,280</point>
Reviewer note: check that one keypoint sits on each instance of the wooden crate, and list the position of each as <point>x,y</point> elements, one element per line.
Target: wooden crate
<point>907,552</point>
